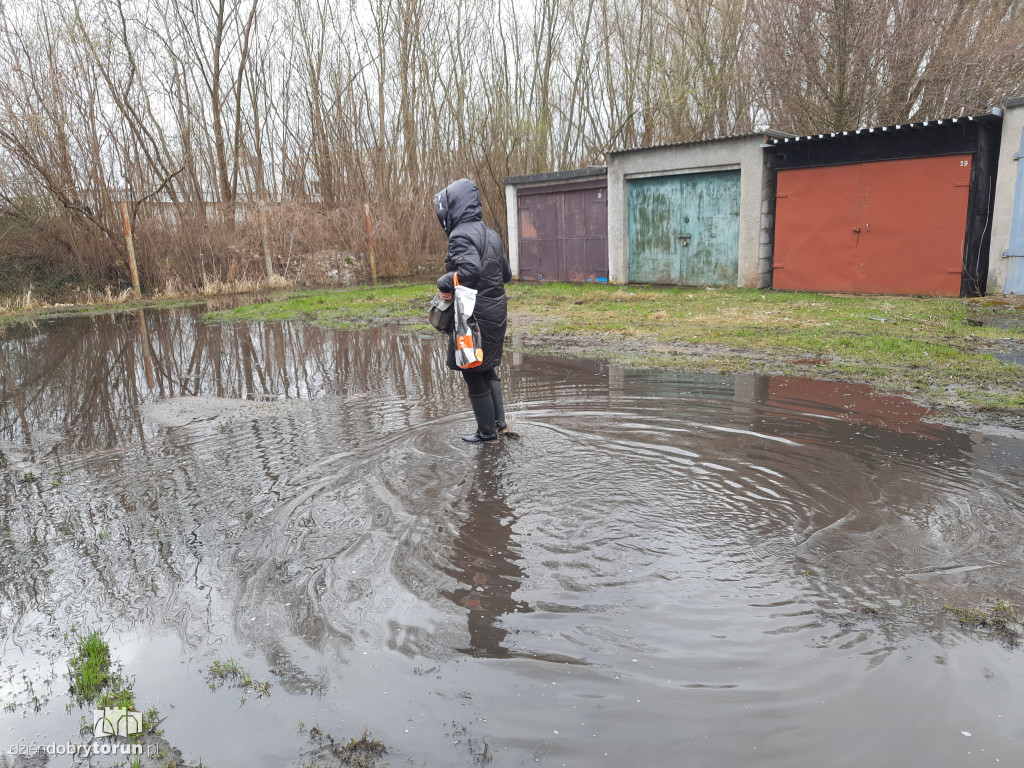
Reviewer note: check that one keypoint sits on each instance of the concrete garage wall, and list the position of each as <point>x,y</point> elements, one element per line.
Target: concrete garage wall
<point>512,221</point>
<point>757,196</point>
<point>1006,182</point>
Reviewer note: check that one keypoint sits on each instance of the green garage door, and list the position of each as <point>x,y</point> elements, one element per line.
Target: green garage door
<point>684,229</point>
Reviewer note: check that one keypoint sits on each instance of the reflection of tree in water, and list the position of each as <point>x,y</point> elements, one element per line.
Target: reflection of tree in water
<point>81,381</point>
<point>325,523</point>
<point>484,558</point>
<point>177,508</point>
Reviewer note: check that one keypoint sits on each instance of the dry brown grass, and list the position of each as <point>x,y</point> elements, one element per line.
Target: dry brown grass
<point>30,303</point>
<point>629,296</point>
<point>185,251</point>
<point>213,286</point>
<point>737,316</point>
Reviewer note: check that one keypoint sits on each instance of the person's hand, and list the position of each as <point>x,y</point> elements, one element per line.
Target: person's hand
<point>445,296</point>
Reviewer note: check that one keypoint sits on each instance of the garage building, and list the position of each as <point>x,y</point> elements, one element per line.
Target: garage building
<point>693,213</point>
<point>558,225</point>
<point>903,209</point>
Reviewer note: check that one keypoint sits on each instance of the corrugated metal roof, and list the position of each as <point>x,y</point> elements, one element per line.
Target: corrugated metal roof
<point>987,117</point>
<point>763,135</point>
<point>537,178</point>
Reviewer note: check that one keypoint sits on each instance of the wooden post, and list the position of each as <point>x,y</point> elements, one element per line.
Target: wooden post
<point>147,355</point>
<point>369,238</point>
<point>130,244</point>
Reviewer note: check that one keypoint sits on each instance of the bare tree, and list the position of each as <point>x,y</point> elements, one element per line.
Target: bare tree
<point>248,136</point>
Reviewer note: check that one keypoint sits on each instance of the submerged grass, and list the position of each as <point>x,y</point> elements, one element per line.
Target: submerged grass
<point>365,752</point>
<point>231,673</point>
<point>941,350</point>
<point>1000,619</point>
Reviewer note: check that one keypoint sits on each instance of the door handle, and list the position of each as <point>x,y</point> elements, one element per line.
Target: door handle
<point>857,230</point>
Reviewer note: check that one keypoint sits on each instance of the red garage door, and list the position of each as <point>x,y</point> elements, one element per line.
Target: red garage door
<point>563,234</point>
<point>893,226</point>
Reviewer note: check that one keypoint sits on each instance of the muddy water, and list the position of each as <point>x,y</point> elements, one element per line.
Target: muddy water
<point>665,569</point>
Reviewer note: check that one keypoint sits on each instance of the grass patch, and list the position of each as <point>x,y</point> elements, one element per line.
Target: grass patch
<point>89,669</point>
<point>363,752</point>
<point>12,313</point>
<point>1000,619</point>
<point>95,679</point>
<point>230,673</point>
<point>349,308</point>
<point>30,305</point>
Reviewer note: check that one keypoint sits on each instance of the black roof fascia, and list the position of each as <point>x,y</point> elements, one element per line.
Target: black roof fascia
<point>987,118</point>
<point>946,137</point>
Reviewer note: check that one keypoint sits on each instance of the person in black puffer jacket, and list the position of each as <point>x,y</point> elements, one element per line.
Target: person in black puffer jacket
<point>476,252</point>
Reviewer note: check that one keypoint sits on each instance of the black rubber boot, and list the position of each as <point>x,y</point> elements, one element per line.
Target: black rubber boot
<point>483,410</point>
<point>499,405</point>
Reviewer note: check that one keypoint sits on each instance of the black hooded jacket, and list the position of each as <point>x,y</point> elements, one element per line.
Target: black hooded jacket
<point>476,252</point>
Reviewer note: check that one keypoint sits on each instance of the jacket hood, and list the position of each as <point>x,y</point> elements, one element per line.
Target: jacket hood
<point>458,203</point>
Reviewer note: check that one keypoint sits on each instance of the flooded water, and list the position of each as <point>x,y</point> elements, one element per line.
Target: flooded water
<point>664,569</point>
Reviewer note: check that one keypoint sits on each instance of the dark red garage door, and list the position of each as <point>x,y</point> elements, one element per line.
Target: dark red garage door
<point>563,233</point>
<point>894,226</point>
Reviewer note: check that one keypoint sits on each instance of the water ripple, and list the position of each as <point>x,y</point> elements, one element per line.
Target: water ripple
<point>674,534</point>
